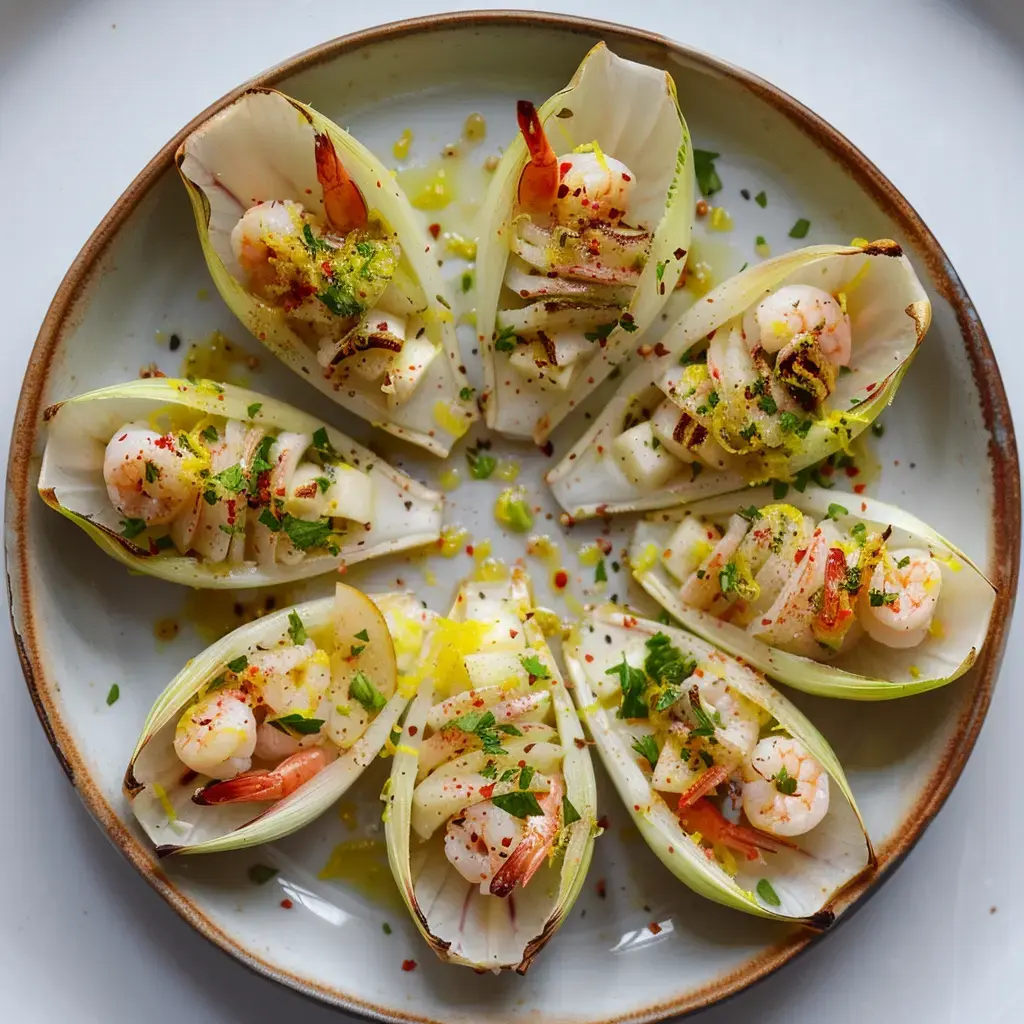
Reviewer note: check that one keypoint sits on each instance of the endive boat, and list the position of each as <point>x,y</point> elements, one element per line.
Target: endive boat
<point>730,785</point>
<point>490,809</point>
<point>772,371</point>
<point>318,252</point>
<point>832,593</point>
<point>578,253</point>
<point>218,487</point>
<point>264,730</point>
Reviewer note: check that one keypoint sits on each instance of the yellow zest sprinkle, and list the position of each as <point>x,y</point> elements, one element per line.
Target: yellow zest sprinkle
<point>593,147</point>
<point>446,417</point>
<point>459,246</point>
<point>481,551</point>
<point>858,279</point>
<point>453,538</point>
<point>915,671</point>
<point>720,219</point>
<point>726,859</point>
<point>165,803</point>
<point>542,547</point>
<point>859,242</point>
<point>468,317</point>
<point>589,554</point>
<point>695,838</point>
<point>491,570</point>
<point>450,479</point>
<point>404,748</point>
<point>647,558</point>
<point>936,629</point>
<point>841,299</point>
<point>402,144</point>
<point>507,469</point>
<point>550,624</point>
<point>428,188</point>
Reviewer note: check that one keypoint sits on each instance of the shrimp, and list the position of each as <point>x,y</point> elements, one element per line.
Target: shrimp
<point>538,186</point>
<point>273,744</point>
<point>703,817</point>
<point>275,784</point>
<point>492,848</point>
<point>292,679</point>
<point>898,608</point>
<point>343,203</point>
<point>799,309</point>
<point>703,584</point>
<point>144,476</point>
<point>594,186</point>
<point>785,790</point>
<point>216,736</point>
<point>736,720</point>
<point>257,228</point>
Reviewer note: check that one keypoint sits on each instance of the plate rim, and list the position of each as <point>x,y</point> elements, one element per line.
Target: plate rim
<point>1005,525</point>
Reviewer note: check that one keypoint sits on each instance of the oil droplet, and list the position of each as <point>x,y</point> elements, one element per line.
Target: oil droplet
<point>507,469</point>
<point>402,144</point>
<point>214,613</point>
<point>362,864</point>
<point>481,551</point>
<point>457,245</point>
<point>166,629</point>
<point>452,540</point>
<point>491,570</point>
<point>720,219</point>
<point>475,128</point>
<point>544,549</point>
<point>450,479</point>
<point>428,188</point>
<point>218,358</point>
<point>348,812</point>
<point>589,554</point>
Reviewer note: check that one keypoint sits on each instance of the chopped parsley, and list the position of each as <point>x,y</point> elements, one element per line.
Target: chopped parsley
<point>481,464</point>
<point>759,241</point>
<point>713,399</point>
<point>132,527</point>
<point>836,510</point>
<point>505,340</point>
<point>152,473</point>
<point>519,805</point>
<point>296,629</point>
<point>633,682</point>
<point>253,409</point>
<point>338,298</point>
<point>659,270</point>
<point>467,281</point>
<point>260,874</point>
<point>800,228</point>
<point>767,893</point>
<point>784,782</point>
<point>767,404</point>
<point>749,432</point>
<point>467,393</point>
<point>728,577</point>
<point>231,479</point>
<point>903,562</point>
<point>306,533</point>
<point>483,725</point>
<point>601,331</point>
<point>859,533</point>
<point>708,180</point>
<point>705,726</point>
<point>666,664</point>
<point>878,598</point>
<point>851,584</point>
<point>526,774</point>
<point>569,813</point>
<point>236,665</point>
<point>210,433</point>
<point>113,694</point>
<point>386,928</point>
<point>269,520</point>
<point>750,513</point>
<point>297,723</point>
<point>779,489</point>
<point>261,460</point>
<point>646,746</point>
<point>792,424</point>
<point>600,573</point>
<point>323,483</point>
<point>878,429</point>
<point>323,447</point>
<point>362,635</point>
<point>362,690</point>
<point>535,667</point>
<point>761,199</point>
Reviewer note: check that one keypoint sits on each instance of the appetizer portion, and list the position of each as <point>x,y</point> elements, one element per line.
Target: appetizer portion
<point>831,593</point>
<point>213,486</point>
<point>578,252</point>
<point>264,730</point>
<point>317,251</point>
<point>770,372</point>
<point>490,809</point>
<point>730,785</point>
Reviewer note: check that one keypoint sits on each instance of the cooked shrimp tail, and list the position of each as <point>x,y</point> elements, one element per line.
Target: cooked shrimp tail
<point>716,776</point>
<point>533,849</point>
<point>275,784</point>
<point>705,818</point>
<point>343,204</point>
<point>538,186</point>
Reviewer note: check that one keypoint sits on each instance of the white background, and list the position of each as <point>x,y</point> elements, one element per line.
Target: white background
<point>931,90</point>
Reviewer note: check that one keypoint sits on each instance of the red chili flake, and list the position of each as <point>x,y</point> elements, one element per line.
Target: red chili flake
<point>408,965</point>
<point>602,888</point>
<point>602,822</point>
<point>827,470</point>
<point>123,436</point>
<point>548,449</point>
<point>799,556</point>
<point>287,904</point>
<point>863,506</point>
<point>435,230</point>
<point>766,622</point>
<point>660,350</point>
<point>469,549</point>
<point>654,927</point>
<point>626,177</point>
<point>588,658</point>
<point>162,442</point>
<point>513,633</point>
<point>852,471</point>
<point>528,747</point>
<point>506,842</point>
<point>561,579</point>
<point>564,168</point>
<point>413,730</point>
<point>487,791</point>
<point>859,488</point>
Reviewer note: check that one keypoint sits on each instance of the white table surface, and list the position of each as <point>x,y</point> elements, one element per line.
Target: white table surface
<point>932,91</point>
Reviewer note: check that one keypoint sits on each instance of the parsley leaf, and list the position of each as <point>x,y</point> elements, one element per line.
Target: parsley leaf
<point>261,460</point>
<point>505,340</point>
<point>519,805</point>
<point>903,562</point>
<point>482,725</point>
<point>708,180</point>
<point>338,298</point>
<point>296,629</point>
<point>878,598</point>
<point>646,746</point>
<point>666,664</point>
<point>878,429</point>
<point>297,723</point>
<point>270,521</point>
<point>231,479</point>
<point>467,393</point>
<point>323,447</point>
<point>363,690</point>
<point>836,510</point>
<point>536,668</point>
<point>761,199</point>
<point>210,433</point>
<point>600,573</point>
<point>152,473</point>
<point>569,813</point>
<point>260,874</point>
<point>767,404</point>
<point>306,533</point>
<point>601,331</point>
<point>784,782</point>
<point>526,775</point>
<point>633,682</point>
<point>767,893</point>
<point>113,694</point>
<point>481,465</point>
<point>728,577</point>
<point>859,533</point>
<point>132,527</point>
<point>705,726</point>
<point>253,409</point>
<point>237,664</point>
<point>750,513</point>
<point>362,635</point>
<point>800,228</point>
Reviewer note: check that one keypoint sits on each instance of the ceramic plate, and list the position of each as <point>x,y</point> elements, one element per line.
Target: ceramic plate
<point>638,945</point>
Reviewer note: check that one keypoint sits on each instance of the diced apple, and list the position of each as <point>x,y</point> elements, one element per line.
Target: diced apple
<point>692,542</point>
<point>407,369</point>
<point>307,491</point>
<point>672,774</point>
<point>643,458</point>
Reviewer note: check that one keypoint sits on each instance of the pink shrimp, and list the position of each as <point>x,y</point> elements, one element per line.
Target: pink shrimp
<point>539,835</point>
<point>705,818</point>
<point>343,203</point>
<point>538,186</point>
<point>275,784</point>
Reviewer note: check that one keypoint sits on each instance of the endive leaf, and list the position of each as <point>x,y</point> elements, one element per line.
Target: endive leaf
<point>262,147</point>
<point>160,787</point>
<point>406,514</point>
<point>806,880</point>
<point>462,925</point>
<point>889,313</point>
<point>867,670</point>
<point>632,112</point>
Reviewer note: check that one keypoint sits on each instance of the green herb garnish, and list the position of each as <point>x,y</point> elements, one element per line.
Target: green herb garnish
<point>646,746</point>
<point>296,629</point>
<point>519,805</point>
<point>362,690</point>
<point>800,228</point>
<point>708,180</point>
